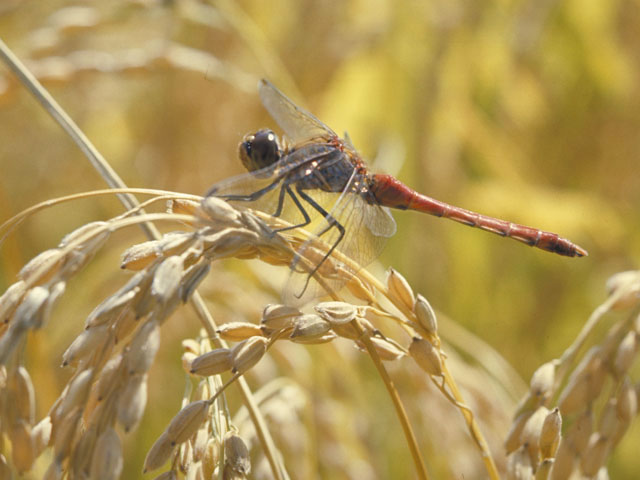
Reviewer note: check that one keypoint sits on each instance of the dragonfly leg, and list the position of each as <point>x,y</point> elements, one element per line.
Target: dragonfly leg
<point>246,198</point>
<point>286,189</point>
<point>280,206</point>
<point>332,222</point>
<point>307,218</point>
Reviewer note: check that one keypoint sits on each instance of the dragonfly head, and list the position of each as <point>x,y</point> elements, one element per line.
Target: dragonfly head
<point>259,150</point>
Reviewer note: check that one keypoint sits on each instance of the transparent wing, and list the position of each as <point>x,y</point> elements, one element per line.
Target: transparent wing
<point>297,123</point>
<point>366,229</point>
<point>260,190</point>
<point>245,183</point>
<point>380,222</point>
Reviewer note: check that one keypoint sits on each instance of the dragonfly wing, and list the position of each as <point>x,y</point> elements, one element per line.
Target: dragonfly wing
<point>245,183</point>
<point>347,141</point>
<point>298,124</point>
<point>366,228</point>
<point>380,221</point>
<point>260,190</point>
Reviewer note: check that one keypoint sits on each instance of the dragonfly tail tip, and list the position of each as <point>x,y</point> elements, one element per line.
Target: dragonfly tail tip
<point>581,252</point>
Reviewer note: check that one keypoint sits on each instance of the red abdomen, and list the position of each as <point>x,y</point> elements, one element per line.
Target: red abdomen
<point>392,193</point>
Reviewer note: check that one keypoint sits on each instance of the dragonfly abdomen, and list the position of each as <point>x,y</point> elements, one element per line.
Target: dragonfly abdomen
<point>394,194</point>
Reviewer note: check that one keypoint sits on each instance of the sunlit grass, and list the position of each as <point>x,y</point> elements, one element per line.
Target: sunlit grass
<point>525,112</point>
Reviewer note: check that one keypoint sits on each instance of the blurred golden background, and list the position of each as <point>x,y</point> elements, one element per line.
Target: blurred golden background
<point>525,110</point>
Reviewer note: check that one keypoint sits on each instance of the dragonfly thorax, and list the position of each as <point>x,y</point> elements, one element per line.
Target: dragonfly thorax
<point>259,150</point>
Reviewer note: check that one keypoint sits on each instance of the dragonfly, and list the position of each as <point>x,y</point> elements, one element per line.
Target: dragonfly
<point>316,180</point>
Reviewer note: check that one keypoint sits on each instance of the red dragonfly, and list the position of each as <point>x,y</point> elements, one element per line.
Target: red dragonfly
<point>313,178</point>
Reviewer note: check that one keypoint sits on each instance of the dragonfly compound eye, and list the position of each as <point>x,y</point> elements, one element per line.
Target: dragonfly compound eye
<point>260,150</point>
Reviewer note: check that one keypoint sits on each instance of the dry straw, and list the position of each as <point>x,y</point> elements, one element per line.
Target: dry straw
<point>593,400</point>
<point>577,410</point>
<point>596,398</point>
<point>112,356</point>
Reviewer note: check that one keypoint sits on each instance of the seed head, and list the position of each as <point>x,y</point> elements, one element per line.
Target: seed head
<point>426,356</point>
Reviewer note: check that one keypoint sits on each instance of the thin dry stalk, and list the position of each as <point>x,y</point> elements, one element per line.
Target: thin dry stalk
<point>130,202</point>
<point>399,293</point>
<point>124,353</point>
